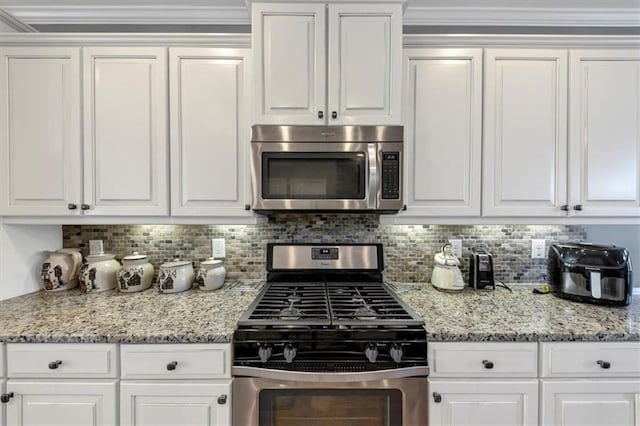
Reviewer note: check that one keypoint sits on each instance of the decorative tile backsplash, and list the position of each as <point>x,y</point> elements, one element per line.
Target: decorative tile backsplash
<point>408,249</point>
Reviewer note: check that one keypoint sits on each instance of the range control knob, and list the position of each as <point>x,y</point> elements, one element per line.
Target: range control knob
<point>289,352</point>
<point>371,352</point>
<point>264,352</point>
<point>396,352</point>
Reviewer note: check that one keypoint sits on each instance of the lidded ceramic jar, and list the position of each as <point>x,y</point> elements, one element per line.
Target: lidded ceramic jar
<point>136,273</point>
<point>99,274</point>
<point>211,274</point>
<point>60,270</point>
<point>175,276</point>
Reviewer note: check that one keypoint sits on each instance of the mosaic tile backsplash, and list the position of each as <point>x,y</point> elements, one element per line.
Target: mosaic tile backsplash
<point>408,249</point>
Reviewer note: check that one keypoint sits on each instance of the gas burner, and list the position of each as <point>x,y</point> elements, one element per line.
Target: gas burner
<point>357,300</point>
<point>294,298</point>
<point>290,313</point>
<point>365,313</point>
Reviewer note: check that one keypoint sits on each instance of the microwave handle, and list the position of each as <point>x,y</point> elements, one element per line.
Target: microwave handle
<point>372,196</point>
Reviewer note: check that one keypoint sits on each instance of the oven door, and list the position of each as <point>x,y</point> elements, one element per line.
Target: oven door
<point>314,176</point>
<point>382,402</point>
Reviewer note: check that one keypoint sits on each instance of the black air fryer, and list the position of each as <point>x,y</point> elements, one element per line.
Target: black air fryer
<point>591,273</point>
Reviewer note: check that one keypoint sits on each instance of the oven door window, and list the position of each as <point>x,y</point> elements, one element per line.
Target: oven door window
<point>314,175</point>
<point>330,407</point>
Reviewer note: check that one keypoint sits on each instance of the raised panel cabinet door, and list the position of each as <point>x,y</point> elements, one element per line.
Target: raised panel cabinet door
<point>62,403</point>
<point>605,132</point>
<point>365,64</point>
<point>483,403</point>
<point>525,132</point>
<point>590,402</point>
<point>125,131</point>
<point>290,57</point>
<point>209,131</point>
<point>175,403</point>
<point>40,131</point>
<point>443,131</point>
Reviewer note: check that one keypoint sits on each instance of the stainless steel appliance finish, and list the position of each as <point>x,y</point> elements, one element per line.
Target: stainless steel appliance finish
<point>327,168</point>
<point>301,257</point>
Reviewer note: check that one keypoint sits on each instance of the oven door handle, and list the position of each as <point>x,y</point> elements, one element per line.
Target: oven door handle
<point>372,196</point>
<point>302,376</point>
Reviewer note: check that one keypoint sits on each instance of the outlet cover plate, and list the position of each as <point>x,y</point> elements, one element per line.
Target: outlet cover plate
<point>218,248</point>
<point>96,247</point>
<point>538,249</point>
<point>456,247</point>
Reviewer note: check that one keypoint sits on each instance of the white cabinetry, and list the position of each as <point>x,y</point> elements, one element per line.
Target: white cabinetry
<point>443,132</point>
<point>168,394</point>
<point>40,131</point>
<point>125,131</point>
<point>2,409</point>
<point>483,384</point>
<point>605,132</point>
<point>525,132</point>
<point>209,95</point>
<point>327,64</point>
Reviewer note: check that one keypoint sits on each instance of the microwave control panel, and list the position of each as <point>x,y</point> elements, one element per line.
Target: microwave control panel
<point>390,175</point>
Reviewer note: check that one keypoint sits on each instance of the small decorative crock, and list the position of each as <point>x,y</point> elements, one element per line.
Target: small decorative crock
<point>99,274</point>
<point>210,275</point>
<point>175,276</point>
<point>60,270</point>
<point>136,273</point>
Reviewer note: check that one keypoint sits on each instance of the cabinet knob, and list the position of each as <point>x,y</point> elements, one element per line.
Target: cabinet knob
<point>72,206</point>
<point>5,397</point>
<point>437,397</point>
<point>487,364</point>
<point>334,114</point>
<point>172,365</point>
<point>578,207</point>
<point>564,207</point>
<point>320,114</point>
<point>604,364</point>
<point>85,206</point>
<point>222,399</point>
<point>53,365</point>
<point>247,207</point>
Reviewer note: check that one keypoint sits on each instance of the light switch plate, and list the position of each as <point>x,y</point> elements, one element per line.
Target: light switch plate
<point>456,247</point>
<point>217,248</point>
<point>538,249</point>
<point>96,247</point>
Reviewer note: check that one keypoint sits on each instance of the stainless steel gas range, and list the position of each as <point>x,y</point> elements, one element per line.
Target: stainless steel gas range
<point>327,342</point>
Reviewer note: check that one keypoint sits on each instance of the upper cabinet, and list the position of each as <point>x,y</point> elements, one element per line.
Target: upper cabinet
<point>125,131</point>
<point>525,132</point>
<point>604,132</point>
<point>327,64</point>
<point>40,130</point>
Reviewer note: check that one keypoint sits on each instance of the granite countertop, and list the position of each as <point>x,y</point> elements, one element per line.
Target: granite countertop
<point>200,317</point>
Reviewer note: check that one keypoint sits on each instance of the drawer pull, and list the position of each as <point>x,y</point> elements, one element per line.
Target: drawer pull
<point>5,397</point>
<point>54,365</point>
<point>172,365</point>
<point>604,364</point>
<point>437,397</point>
<point>487,364</point>
<point>222,399</point>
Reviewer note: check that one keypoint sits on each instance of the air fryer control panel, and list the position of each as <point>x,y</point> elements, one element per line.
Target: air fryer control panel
<point>390,175</point>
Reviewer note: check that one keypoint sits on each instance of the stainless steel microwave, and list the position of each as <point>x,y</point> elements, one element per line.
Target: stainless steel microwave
<point>326,168</point>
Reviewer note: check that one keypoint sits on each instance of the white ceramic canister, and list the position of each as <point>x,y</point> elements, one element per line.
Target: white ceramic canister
<point>99,274</point>
<point>60,270</point>
<point>175,276</point>
<point>136,273</point>
<point>211,274</point>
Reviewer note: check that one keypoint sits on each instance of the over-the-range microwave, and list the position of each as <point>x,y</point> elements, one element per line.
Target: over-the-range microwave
<point>326,168</point>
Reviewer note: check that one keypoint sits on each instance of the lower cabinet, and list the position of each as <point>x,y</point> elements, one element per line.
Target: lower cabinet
<point>483,402</point>
<point>63,403</point>
<point>2,413</point>
<point>175,403</point>
<point>590,402</point>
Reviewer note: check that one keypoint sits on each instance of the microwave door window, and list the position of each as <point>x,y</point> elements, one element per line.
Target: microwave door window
<point>325,176</point>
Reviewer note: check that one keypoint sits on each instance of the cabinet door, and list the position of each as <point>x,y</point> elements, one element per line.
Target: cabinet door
<point>175,403</point>
<point>525,136</point>
<point>209,131</point>
<point>40,131</point>
<point>590,402</point>
<point>125,131</point>
<point>365,64</point>
<point>482,403</point>
<point>605,132</point>
<point>443,132</point>
<point>61,403</point>
<point>290,56</point>
<point>2,409</point>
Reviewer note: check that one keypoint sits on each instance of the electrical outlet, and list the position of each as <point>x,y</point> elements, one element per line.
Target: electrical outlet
<point>538,249</point>
<point>456,247</point>
<point>96,247</point>
<point>217,247</point>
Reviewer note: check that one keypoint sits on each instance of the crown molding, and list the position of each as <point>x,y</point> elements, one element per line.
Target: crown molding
<point>11,21</point>
<point>515,40</point>
<point>128,39</point>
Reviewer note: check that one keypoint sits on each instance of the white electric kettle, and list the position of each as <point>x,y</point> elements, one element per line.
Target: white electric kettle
<point>446,272</point>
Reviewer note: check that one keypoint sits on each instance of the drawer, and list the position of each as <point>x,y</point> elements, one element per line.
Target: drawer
<point>188,361</point>
<point>62,360</point>
<point>484,359</point>
<point>589,359</point>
